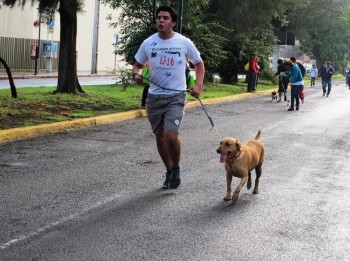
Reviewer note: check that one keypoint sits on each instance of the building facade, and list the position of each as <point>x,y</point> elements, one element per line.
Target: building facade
<point>20,30</point>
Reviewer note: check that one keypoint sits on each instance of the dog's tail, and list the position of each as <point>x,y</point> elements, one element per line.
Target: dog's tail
<point>258,135</point>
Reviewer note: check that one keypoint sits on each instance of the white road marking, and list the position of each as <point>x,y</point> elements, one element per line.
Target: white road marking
<point>56,223</point>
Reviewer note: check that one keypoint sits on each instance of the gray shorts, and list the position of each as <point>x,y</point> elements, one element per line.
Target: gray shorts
<point>166,111</point>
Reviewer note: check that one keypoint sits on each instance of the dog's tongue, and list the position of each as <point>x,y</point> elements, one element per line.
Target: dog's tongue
<point>223,158</point>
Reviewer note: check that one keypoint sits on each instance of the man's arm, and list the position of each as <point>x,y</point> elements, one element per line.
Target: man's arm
<point>136,73</point>
<point>321,72</point>
<point>199,69</point>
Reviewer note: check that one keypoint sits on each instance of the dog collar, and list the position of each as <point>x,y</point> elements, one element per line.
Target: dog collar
<point>236,156</point>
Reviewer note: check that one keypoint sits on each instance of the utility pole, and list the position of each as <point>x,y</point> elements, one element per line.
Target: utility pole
<point>179,22</point>
<point>95,38</point>
<point>37,50</point>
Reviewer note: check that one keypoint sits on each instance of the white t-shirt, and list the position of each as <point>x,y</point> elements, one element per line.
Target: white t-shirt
<point>313,72</point>
<point>167,62</point>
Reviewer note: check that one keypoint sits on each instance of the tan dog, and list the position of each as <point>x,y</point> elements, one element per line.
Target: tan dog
<point>240,160</point>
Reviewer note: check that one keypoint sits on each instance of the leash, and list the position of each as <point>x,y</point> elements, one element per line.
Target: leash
<point>210,119</point>
<point>147,79</point>
<point>200,101</point>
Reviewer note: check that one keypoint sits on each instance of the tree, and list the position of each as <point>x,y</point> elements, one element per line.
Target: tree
<point>137,21</point>
<point>9,74</point>
<point>67,68</point>
<point>323,27</point>
<point>251,31</point>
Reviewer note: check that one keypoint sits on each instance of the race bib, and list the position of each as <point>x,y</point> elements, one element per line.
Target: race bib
<point>167,60</point>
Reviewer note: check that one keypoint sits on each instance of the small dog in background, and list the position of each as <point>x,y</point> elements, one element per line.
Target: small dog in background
<point>274,96</point>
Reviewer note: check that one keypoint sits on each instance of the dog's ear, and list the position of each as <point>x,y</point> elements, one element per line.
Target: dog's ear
<point>238,145</point>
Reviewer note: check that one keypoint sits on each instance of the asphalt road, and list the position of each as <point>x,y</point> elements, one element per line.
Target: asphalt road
<point>94,193</point>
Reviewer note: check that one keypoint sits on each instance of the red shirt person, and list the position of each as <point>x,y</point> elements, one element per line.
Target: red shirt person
<point>253,73</point>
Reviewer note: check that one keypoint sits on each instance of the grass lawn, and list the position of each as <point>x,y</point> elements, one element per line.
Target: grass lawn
<point>39,105</point>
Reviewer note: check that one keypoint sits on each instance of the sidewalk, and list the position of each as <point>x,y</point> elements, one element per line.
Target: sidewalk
<point>44,74</point>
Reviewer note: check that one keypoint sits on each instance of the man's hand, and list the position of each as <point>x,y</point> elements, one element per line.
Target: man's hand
<point>136,69</point>
<point>138,79</point>
<point>196,91</point>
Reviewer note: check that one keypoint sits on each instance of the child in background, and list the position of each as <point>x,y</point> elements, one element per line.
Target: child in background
<point>313,75</point>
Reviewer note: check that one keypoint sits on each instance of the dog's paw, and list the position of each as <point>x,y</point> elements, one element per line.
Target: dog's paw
<point>255,191</point>
<point>227,197</point>
<point>235,197</point>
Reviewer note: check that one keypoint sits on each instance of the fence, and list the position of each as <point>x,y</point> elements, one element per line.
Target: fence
<point>16,52</point>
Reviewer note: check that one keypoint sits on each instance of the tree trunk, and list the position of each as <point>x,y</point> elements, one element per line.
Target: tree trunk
<point>316,52</point>
<point>67,68</point>
<point>9,74</point>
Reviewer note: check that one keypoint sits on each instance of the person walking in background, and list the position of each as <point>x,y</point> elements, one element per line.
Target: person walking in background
<point>303,72</point>
<point>327,74</point>
<point>168,52</point>
<point>301,67</point>
<point>347,76</point>
<point>322,70</point>
<point>297,82</point>
<point>253,73</point>
<point>313,75</point>
<point>282,81</point>
<point>145,75</point>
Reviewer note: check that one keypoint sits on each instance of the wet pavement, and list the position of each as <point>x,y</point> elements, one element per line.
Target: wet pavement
<point>94,193</point>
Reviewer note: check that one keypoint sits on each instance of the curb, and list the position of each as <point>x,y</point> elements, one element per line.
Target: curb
<point>51,128</point>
